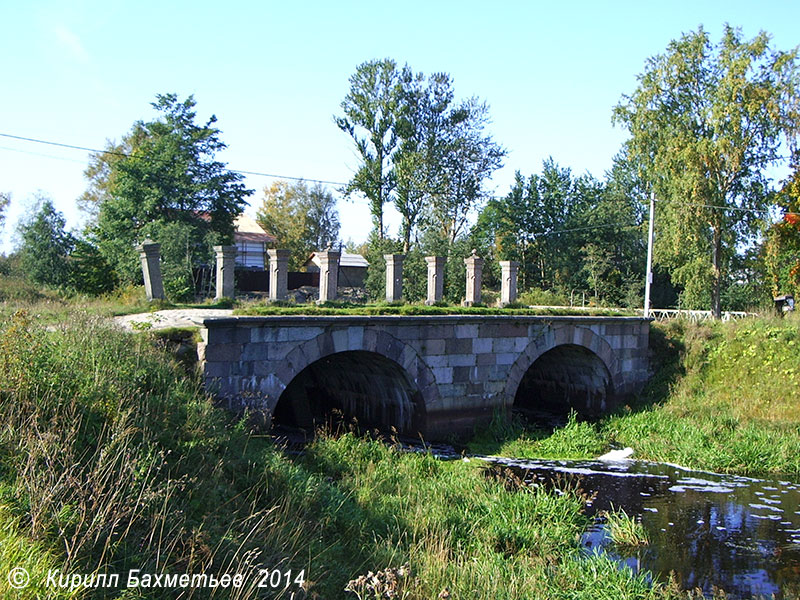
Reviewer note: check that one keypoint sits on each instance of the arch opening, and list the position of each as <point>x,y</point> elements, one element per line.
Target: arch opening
<point>566,378</point>
<point>356,384</point>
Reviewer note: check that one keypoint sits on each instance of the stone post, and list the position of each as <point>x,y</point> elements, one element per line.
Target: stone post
<point>328,275</point>
<point>508,287</point>
<point>278,274</point>
<point>226,260</point>
<point>474,271</point>
<point>435,279</point>
<point>394,276</point>
<point>150,253</point>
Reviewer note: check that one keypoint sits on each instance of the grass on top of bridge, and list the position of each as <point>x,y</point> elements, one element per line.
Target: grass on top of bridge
<point>345,308</point>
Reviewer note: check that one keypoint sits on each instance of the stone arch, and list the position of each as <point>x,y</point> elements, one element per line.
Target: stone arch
<point>564,335</point>
<point>393,357</point>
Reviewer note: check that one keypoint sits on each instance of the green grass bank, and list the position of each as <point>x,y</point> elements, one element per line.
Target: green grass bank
<point>112,459</point>
<point>723,397</point>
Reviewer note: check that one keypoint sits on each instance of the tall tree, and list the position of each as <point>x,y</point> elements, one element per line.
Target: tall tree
<point>5,200</point>
<point>422,127</point>
<point>469,158</point>
<point>166,184</point>
<point>303,219</point>
<point>705,121</point>
<point>781,250</point>
<point>370,113</point>
<point>45,245</point>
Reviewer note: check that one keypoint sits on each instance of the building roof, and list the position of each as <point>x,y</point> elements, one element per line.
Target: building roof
<point>346,260</point>
<point>247,230</point>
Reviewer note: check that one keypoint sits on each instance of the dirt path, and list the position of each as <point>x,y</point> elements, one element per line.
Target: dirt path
<point>164,319</point>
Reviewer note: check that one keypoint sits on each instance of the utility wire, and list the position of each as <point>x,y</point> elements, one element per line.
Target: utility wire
<point>294,178</point>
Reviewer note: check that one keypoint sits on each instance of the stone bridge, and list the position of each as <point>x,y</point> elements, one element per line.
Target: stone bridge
<point>432,375</point>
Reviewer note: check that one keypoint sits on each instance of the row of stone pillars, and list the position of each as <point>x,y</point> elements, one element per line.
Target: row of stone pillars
<point>149,253</point>
<point>329,275</point>
<point>436,264</point>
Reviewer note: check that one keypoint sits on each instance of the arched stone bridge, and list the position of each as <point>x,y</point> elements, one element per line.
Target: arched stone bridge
<point>434,375</point>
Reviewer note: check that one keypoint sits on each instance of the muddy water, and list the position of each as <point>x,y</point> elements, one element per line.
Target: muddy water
<point>735,533</point>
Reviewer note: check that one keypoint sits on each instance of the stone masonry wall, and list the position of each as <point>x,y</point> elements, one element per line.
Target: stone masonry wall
<point>464,367</point>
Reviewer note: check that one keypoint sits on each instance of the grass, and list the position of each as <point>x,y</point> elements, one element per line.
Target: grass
<point>724,397</point>
<point>624,530</point>
<point>112,458</point>
<point>341,308</point>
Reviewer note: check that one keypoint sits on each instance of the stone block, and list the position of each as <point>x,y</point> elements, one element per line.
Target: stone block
<point>437,361</point>
<point>255,351</point>
<point>458,346</point>
<point>507,358</point>
<point>462,374</point>
<point>461,360</point>
<point>369,340</point>
<point>355,338</point>
<point>340,340</point>
<point>503,344</point>
<point>433,347</point>
<point>201,351</point>
<point>221,335</point>
<point>223,352</point>
<point>520,344</point>
<point>485,359</point>
<point>443,374</point>
<point>216,369</point>
<point>466,330</point>
<point>481,345</point>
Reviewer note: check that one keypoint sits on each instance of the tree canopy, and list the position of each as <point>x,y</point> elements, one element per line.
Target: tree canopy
<point>303,219</point>
<point>705,122</point>
<point>163,182</point>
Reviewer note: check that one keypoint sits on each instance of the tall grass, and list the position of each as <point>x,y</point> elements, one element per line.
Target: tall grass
<point>111,458</point>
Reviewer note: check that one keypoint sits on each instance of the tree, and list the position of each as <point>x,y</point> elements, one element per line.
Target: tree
<point>162,181</point>
<point>705,121</point>
<point>302,219</point>
<point>781,250</point>
<point>468,159</point>
<point>370,113</point>
<point>5,200</point>
<point>45,246</point>
<point>422,126</point>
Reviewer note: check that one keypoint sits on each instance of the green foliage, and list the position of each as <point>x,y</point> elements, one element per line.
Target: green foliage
<point>89,271</point>
<point>370,113</point>
<point>705,121</point>
<point>302,219</point>
<point>45,246</point>
<point>169,188</point>
<point>569,233</point>
<point>419,149</point>
<point>624,530</point>
<point>112,459</point>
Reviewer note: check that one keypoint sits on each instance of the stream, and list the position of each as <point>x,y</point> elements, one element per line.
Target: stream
<point>711,531</point>
<point>738,534</point>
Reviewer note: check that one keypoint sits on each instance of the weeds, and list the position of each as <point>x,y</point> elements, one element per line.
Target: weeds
<point>625,531</point>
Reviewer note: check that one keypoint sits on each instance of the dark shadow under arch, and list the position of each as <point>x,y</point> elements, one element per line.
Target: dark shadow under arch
<point>367,386</point>
<point>567,377</point>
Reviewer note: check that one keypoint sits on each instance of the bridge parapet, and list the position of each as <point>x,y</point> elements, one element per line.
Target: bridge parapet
<point>462,368</point>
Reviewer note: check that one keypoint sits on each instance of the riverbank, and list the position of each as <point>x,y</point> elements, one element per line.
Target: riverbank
<point>724,397</point>
<point>113,460</point>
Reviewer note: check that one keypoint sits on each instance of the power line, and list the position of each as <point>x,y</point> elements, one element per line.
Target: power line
<point>133,155</point>
<point>290,177</point>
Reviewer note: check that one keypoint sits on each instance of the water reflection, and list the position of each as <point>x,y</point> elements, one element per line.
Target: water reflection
<point>713,531</point>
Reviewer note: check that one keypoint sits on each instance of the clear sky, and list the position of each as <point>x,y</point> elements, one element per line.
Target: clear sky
<point>274,73</point>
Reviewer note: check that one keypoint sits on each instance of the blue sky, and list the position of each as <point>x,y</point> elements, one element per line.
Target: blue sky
<point>274,73</point>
